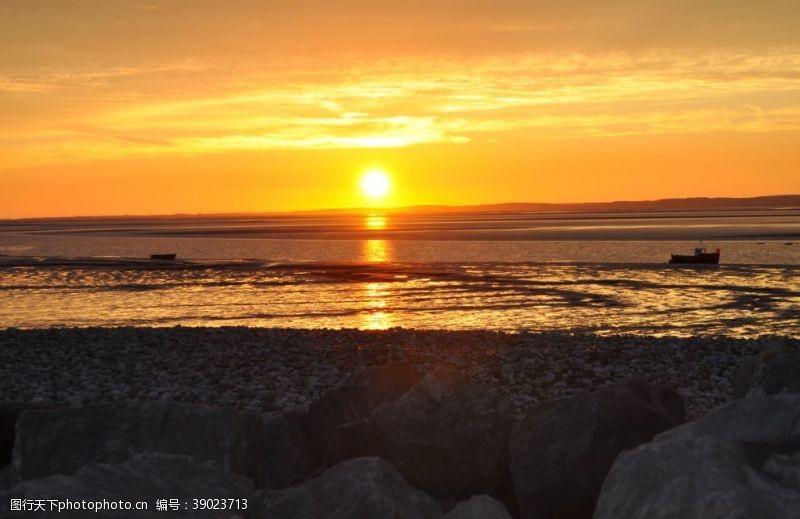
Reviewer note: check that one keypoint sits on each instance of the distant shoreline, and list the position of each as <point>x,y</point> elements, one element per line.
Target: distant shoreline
<point>771,202</point>
<point>662,225</point>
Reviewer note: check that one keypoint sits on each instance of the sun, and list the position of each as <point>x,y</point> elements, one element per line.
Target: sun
<point>375,183</point>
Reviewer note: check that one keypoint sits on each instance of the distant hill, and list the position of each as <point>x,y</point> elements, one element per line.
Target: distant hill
<point>666,204</point>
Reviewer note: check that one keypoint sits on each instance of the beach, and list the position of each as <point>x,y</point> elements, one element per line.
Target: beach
<point>407,260</point>
<point>359,375</point>
<point>267,370</point>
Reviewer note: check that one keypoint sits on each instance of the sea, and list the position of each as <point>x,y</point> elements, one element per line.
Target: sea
<point>600,273</point>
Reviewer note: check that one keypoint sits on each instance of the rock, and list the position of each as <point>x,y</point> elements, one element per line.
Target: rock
<point>9,412</point>
<point>8,420</point>
<point>8,477</point>
<point>363,488</point>
<point>562,450</point>
<point>479,507</point>
<point>352,440</point>
<point>447,437</point>
<point>289,456</point>
<point>62,441</point>
<point>782,374</point>
<point>267,496</point>
<point>355,400</point>
<point>776,369</point>
<point>145,477</point>
<point>740,461</point>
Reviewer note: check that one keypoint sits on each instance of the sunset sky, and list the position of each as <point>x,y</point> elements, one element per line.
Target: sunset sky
<point>158,107</point>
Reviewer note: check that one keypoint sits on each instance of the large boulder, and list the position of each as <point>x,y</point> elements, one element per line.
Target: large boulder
<point>562,450</point>
<point>352,440</point>
<point>354,401</point>
<point>363,488</point>
<point>448,437</point>
<point>288,455</point>
<point>8,477</point>
<point>144,478</point>
<point>8,421</point>
<point>775,369</point>
<point>479,507</point>
<point>9,412</point>
<point>740,461</point>
<point>62,441</point>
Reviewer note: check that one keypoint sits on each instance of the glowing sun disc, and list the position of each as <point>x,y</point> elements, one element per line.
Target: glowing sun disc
<point>375,184</point>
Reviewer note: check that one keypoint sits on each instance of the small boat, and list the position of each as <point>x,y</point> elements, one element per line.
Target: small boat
<point>701,255</point>
<point>165,257</point>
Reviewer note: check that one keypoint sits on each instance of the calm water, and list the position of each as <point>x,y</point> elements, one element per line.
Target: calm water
<point>368,272</point>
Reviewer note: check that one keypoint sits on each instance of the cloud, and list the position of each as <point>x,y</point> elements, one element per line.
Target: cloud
<point>60,78</point>
<point>194,107</point>
<point>169,30</point>
<point>142,140</point>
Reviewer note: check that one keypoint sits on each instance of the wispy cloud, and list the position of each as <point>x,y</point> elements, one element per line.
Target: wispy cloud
<point>404,103</point>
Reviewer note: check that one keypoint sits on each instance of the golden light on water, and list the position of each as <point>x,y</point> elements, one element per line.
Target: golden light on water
<point>376,317</point>
<point>375,222</point>
<point>375,184</point>
<point>376,251</point>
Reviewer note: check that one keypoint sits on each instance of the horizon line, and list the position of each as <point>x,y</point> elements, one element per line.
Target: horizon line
<point>490,207</point>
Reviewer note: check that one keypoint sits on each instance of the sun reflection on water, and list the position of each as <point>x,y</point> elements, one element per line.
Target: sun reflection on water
<point>375,315</point>
<point>376,251</point>
<point>375,222</point>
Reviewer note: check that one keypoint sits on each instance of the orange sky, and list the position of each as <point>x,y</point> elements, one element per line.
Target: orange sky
<point>142,107</point>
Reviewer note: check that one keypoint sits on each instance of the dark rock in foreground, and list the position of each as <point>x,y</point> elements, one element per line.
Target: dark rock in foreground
<point>9,412</point>
<point>288,455</point>
<point>363,488</point>
<point>8,420</point>
<point>479,507</point>
<point>354,401</point>
<point>352,440</point>
<point>776,369</point>
<point>8,477</point>
<point>562,451</point>
<point>62,441</point>
<point>448,437</point>
<point>741,461</point>
<point>146,477</point>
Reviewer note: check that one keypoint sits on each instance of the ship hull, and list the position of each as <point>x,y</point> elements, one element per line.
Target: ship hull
<point>705,258</point>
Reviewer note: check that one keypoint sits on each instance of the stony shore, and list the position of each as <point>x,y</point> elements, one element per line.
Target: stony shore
<point>266,370</point>
<point>282,424</point>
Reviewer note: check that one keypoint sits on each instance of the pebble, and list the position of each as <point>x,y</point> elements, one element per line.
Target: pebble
<point>268,369</point>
